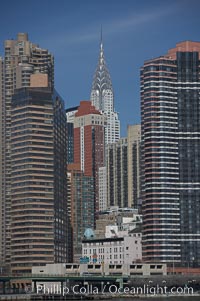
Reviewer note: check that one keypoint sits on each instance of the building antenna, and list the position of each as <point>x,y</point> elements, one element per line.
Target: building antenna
<point>101,35</point>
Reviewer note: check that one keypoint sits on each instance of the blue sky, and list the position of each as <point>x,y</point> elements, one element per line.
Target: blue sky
<point>133,31</point>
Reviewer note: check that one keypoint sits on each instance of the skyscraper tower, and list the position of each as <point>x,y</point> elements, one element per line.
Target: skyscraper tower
<point>89,148</point>
<point>81,202</point>
<point>39,217</point>
<point>70,114</point>
<point>117,173</point>
<point>123,169</point>
<point>23,60</point>
<point>102,98</point>
<point>134,164</point>
<point>170,105</point>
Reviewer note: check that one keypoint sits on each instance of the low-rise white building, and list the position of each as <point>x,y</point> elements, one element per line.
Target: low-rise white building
<point>115,248</point>
<point>96,269</point>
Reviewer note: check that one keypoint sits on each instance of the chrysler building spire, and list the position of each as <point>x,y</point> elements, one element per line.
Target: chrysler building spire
<point>102,91</point>
<point>102,97</point>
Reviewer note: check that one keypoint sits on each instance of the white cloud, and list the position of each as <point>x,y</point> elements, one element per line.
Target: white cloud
<point>90,32</point>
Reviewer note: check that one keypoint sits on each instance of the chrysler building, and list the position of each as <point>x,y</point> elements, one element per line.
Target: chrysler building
<point>102,98</point>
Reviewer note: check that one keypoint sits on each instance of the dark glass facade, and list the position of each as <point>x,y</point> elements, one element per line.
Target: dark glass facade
<point>117,170</point>
<point>81,193</point>
<point>170,156</point>
<point>61,216</point>
<point>189,154</point>
<point>70,142</point>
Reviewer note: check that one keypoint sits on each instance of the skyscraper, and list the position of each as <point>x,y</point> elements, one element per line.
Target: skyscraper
<point>89,144</point>
<point>39,217</point>
<point>170,105</point>
<point>103,200</point>
<point>81,198</point>
<point>134,164</point>
<point>117,171</point>
<point>27,65</point>
<point>123,169</point>
<point>70,114</point>
<point>102,98</point>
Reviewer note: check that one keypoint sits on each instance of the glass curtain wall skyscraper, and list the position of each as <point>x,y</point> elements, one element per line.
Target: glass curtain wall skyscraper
<point>170,105</point>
